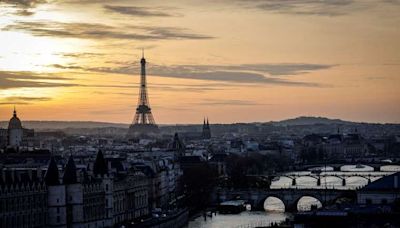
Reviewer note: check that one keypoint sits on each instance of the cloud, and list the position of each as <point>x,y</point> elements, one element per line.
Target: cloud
<point>395,2</point>
<point>102,31</point>
<point>24,12</point>
<point>162,87</point>
<point>282,69</point>
<point>376,78</point>
<point>25,3</point>
<point>80,54</point>
<point>21,8</point>
<point>246,73</point>
<point>14,103</point>
<point>23,79</point>
<point>17,98</point>
<point>230,103</point>
<point>69,67</point>
<point>305,7</point>
<point>138,11</point>
<point>187,88</point>
<point>14,100</point>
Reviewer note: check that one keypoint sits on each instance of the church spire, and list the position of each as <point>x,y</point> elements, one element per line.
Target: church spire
<point>15,112</point>
<point>206,129</point>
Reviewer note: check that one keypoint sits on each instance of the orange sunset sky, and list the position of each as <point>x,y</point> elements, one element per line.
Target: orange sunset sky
<point>230,60</point>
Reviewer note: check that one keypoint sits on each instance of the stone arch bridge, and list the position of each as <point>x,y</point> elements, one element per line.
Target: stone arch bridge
<point>289,197</point>
<point>343,176</point>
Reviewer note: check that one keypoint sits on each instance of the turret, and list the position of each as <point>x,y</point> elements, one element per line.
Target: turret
<point>74,193</point>
<point>70,172</point>
<point>52,176</point>
<point>100,165</point>
<point>55,197</point>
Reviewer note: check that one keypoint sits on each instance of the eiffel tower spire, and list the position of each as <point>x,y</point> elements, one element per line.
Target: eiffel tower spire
<point>143,122</point>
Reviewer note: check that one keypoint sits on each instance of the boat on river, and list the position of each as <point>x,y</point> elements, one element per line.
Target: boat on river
<point>232,207</point>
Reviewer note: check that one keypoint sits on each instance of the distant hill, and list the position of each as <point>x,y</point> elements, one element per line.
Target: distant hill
<point>310,120</point>
<point>43,125</point>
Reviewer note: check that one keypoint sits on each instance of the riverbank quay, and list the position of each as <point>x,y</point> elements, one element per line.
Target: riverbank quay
<point>175,219</point>
<point>366,218</point>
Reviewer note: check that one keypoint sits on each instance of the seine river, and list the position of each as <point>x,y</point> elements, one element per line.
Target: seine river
<point>274,208</point>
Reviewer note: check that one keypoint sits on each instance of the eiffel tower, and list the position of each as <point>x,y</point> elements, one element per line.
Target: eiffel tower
<point>143,123</point>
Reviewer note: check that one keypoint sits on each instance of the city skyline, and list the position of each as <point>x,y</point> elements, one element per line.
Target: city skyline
<point>233,61</point>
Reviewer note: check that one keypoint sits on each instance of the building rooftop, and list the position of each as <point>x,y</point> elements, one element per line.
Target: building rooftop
<point>390,182</point>
<point>15,122</point>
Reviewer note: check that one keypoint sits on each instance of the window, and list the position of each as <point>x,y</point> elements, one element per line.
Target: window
<point>58,219</point>
<point>368,201</point>
<point>384,201</point>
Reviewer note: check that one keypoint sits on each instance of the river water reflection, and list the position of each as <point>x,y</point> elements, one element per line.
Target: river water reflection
<point>275,208</point>
<point>244,219</point>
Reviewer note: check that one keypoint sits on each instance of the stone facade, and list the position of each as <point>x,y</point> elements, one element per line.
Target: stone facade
<point>22,204</point>
<point>31,198</point>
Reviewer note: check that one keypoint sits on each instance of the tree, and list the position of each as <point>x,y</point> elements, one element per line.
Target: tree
<point>199,181</point>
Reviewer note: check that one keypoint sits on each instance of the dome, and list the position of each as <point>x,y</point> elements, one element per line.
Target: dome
<point>14,123</point>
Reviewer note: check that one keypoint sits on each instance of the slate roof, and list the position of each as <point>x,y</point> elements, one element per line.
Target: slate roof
<point>391,182</point>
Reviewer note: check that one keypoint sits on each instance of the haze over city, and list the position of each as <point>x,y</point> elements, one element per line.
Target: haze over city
<point>233,61</point>
<point>199,113</point>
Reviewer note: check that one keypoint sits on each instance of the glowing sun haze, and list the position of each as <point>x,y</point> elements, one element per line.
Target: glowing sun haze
<point>230,60</point>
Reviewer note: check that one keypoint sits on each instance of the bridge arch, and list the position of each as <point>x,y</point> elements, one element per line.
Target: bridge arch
<point>295,178</point>
<point>321,167</point>
<point>275,197</point>
<point>307,202</point>
<point>356,178</point>
<point>274,203</point>
<point>315,179</point>
<point>337,180</point>
<point>355,168</point>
